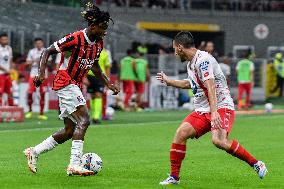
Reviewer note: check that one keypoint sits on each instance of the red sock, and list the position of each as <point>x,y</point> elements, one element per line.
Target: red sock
<point>238,151</point>
<point>177,154</point>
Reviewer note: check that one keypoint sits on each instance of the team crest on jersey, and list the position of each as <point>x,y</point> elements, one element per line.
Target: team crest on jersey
<point>204,66</point>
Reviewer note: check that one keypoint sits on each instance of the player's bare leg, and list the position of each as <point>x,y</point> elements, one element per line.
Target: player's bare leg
<point>220,140</point>
<point>32,153</point>
<point>81,117</point>
<point>178,150</point>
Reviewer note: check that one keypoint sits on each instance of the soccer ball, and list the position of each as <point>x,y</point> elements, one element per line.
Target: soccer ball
<point>110,111</point>
<point>92,162</point>
<point>268,107</point>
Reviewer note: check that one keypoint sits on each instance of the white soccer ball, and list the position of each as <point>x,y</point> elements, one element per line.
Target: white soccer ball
<point>92,162</point>
<point>110,111</point>
<point>268,107</point>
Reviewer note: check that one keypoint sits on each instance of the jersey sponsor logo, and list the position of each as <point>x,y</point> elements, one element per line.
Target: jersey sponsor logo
<point>85,63</point>
<point>204,66</point>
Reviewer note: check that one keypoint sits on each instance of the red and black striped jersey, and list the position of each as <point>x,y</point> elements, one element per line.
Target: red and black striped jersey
<point>84,53</point>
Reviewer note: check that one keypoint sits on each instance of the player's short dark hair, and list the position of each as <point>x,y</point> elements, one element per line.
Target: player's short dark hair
<point>93,15</point>
<point>185,39</point>
<point>38,39</point>
<point>3,35</point>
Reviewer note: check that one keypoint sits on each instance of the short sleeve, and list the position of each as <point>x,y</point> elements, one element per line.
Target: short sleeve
<point>205,69</point>
<point>29,57</point>
<point>66,43</point>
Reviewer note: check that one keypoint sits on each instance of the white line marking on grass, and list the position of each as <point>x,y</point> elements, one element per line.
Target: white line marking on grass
<point>90,127</point>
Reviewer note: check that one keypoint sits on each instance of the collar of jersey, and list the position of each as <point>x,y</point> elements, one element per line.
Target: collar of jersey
<point>88,40</point>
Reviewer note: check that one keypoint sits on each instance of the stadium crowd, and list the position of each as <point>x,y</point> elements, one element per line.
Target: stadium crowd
<point>223,5</point>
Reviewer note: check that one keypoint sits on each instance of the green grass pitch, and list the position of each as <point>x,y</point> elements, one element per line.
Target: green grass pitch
<point>135,152</point>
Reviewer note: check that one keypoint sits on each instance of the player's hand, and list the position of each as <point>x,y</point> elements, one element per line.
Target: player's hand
<point>216,120</point>
<point>38,80</point>
<point>162,77</point>
<point>114,88</point>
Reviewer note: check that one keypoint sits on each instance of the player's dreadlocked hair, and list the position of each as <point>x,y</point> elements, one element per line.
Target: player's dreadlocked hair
<point>93,15</point>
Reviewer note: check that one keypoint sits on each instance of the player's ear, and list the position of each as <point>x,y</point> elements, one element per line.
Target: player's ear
<point>180,47</point>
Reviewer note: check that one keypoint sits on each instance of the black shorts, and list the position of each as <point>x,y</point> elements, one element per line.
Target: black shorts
<point>95,85</point>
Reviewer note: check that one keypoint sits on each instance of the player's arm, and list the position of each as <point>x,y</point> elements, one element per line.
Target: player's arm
<point>212,98</point>
<point>96,69</point>
<point>44,58</point>
<point>3,69</point>
<point>134,67</point>
<point>205,71</point>
<point>163,78</point>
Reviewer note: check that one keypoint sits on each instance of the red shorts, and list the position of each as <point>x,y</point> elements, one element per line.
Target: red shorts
<point>139,87</point>
<point>201,122</point>
<point>32,88</point>
<point>5,84</point>
<point>128,86</point>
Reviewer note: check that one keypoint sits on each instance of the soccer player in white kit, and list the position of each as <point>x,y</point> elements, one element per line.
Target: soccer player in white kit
<point>6,57</point>
<point>214,107</point>
<point>33,61</point>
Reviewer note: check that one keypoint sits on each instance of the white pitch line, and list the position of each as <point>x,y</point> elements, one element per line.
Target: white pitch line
<point>90,127</point>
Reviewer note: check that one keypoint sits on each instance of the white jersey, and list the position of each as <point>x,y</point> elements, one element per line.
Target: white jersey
<point>203,67</point>
<point>6,56</point>
<point>34,56</point>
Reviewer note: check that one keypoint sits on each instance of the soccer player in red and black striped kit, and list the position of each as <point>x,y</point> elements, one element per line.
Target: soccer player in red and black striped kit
<point>85,47</point>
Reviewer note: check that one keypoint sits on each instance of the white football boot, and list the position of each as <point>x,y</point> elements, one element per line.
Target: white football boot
<point>78,170</point>
<point>32,158</point>
<point>260,169</point>
<point>170,181</point>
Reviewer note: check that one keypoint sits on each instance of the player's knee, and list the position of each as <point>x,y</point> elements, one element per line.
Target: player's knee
<point>184,133</point>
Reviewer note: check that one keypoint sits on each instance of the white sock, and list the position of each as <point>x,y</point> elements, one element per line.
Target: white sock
<point>76,152</point>
<point>45,146</point>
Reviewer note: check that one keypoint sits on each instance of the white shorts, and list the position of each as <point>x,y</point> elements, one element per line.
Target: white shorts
<point>70,97</point>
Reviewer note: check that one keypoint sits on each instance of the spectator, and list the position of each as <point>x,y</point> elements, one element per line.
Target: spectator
<point>6,58</point>
<point>32,62</point>
<point>245,77</point>
<point>127,76</point>
<point>209,47</point>
<point>278,64</point>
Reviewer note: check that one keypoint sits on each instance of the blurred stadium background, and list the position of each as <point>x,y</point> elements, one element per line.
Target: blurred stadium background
<point>234,26</point>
